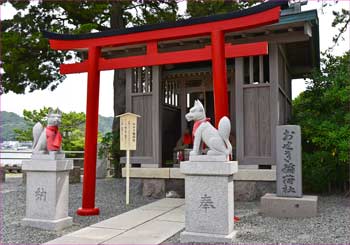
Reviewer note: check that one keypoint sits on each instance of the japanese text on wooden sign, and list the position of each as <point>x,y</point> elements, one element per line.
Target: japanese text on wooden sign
<point>128,132</point>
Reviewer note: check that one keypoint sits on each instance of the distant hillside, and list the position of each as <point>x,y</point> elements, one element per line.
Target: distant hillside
<point>10,121</point>
<point>105,124</point>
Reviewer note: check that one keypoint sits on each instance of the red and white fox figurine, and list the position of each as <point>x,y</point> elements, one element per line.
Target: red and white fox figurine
<point>217,140</point>
<point>48,138</point>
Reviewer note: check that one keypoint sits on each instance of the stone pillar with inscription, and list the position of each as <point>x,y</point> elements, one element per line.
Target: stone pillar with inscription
<point>289,200</point>
<point>209,199</point>
<point>47,191</point>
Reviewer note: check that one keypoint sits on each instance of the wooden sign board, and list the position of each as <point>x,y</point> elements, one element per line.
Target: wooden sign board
<point>128,131</point>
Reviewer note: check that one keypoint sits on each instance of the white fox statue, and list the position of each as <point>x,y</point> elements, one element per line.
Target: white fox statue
<point>217,140</point>
<point>48,138</point>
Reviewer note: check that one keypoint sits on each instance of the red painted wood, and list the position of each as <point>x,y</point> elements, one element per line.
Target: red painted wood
<point>150,59</point>
<point>219,75</point>
<point>91,131</point>
<point>237,24</point>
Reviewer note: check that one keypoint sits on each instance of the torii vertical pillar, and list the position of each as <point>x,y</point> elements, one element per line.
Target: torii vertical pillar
<point>91,131</point>
<point>219,75</point>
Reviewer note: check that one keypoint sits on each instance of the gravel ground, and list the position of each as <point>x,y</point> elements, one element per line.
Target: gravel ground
<point>332,225</point>
<point>110,198</point>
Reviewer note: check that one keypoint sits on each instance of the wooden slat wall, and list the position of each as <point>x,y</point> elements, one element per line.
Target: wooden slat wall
<point>144,100</point>
<point>264,121</point>
<point>156,120</point>
<point>257,131</point>
<point>142,105</point>
<point>251,133</point>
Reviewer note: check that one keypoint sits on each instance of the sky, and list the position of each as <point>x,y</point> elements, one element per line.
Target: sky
<point>71,94</point>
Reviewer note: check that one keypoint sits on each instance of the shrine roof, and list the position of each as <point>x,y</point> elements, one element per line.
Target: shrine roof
<point>187,22</point>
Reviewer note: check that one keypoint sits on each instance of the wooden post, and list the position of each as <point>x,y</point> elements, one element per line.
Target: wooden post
<point>128,135</point>
<point>219,75</point>
<point>93,87</point>
<point>127,176</point>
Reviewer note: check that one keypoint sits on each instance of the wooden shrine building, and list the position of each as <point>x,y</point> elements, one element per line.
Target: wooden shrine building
<point>238,64</point>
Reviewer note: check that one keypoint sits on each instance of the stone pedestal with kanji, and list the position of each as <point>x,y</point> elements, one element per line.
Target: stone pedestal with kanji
<point>209,199</point>
<point>289,200</point>
<point>47,191</point>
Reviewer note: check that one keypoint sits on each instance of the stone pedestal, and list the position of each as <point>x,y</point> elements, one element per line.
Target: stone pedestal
<point>289,200</point>
<point>209,199</point>
<point>47,191</point>
<point>291,207</point>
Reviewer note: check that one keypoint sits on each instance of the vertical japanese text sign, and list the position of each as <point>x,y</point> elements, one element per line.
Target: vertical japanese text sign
<point>288,161</point>
<point>128,131</point>
<point>128,135</point>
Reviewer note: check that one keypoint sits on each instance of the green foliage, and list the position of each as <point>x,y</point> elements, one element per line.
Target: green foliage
<point>197,8</point>
<point>323,112</point>
<point>72,128</point>
<point>27,60</point>
<point>342,21</point>
<point>9,121</point>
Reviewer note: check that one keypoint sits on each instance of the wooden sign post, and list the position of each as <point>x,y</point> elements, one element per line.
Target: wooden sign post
<point>128,135</point>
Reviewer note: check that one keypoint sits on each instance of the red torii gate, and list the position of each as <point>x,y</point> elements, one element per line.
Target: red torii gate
<point>215,26</point>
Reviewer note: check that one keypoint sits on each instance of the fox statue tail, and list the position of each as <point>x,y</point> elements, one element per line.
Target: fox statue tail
<point>37,130</point>
<point>224,130</point>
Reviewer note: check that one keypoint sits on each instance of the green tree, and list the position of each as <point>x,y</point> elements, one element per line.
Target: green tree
<point>323,112</point>
<point>72,128</point>
<point>198,8</point>
<point>24,47</point>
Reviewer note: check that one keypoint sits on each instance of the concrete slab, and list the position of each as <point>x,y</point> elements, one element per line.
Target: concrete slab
<point>191,237</point>
<point>255,175</point>
<point>88,235</point>
<point>244,173</point>
<point>93,233</point>
<point>153,232</point>
<point>176,215</point>
<point>129,219</point>
<point>292,207</point>
<point>73,240</point>
<point>155,173</point>
<point>175,173</point>
<point>165,204</point>
<point>144,225</point>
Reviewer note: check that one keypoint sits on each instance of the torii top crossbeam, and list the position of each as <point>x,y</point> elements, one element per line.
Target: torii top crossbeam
<point>150,35</point>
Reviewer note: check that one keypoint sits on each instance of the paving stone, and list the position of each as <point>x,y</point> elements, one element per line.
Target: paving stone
<point>176,215</point>
<point>130,219</point>
<point>153,232</point>
<point>94,233</point>
<point>164,204</point>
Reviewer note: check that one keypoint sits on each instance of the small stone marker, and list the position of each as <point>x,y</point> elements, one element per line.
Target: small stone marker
<point>288,161</point>
<point>128,136</point>
<point>289,200</point>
